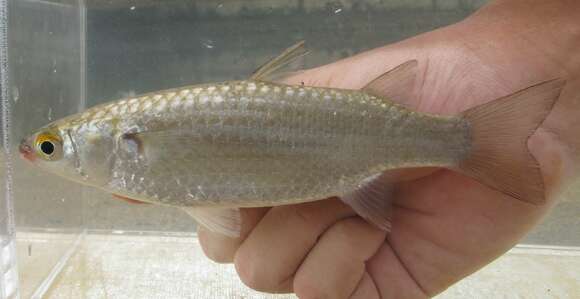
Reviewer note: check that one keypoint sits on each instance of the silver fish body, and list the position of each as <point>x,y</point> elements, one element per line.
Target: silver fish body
<point>210,149</point>
<point>248,143</point>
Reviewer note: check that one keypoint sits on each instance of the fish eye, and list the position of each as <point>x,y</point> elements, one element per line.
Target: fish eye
<point>49,146</point>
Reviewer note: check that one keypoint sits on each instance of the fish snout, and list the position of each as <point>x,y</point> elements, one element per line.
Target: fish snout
<point>26,150</point>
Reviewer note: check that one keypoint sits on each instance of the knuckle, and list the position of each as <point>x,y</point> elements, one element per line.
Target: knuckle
<point>346,227</point>
<point>307,290</point>
<point>309,213</point>
<point>257,275</point>
<point>356,235</point>
<point>215,250</point>
<point>218,256</point>
<point>305,214</point>
<point>249,273</point>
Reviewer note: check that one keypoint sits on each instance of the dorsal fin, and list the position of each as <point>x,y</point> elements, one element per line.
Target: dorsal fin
<point>128,199</point>
<point>396,84</point>
<point>269,70</point>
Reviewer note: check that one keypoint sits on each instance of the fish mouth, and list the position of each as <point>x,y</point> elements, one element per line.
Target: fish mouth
<point>26,151</point>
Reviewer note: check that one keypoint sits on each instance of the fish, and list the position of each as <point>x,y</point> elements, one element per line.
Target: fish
<point>212,149</point>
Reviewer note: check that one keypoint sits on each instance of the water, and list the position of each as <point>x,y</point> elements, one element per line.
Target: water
<point>66,55</point>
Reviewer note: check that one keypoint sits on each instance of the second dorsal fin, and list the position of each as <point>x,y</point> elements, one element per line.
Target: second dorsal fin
<point>268,71</point>
<point>395,85</point>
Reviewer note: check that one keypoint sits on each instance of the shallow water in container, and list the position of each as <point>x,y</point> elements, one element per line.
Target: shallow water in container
<point>65,55</point>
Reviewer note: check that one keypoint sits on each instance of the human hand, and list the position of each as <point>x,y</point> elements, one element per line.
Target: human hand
<point>445,226</point>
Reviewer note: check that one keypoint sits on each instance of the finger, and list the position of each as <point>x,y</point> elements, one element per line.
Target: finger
<point>336,265</point>
<point>393,279</point>
<point>221,248</point>
<point>366,288</point>
<point>269,257</point>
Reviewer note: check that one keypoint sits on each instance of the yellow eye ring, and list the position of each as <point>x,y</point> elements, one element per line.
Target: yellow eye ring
<point>48,146</point>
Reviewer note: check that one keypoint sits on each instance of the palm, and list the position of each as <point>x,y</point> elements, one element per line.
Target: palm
<point>445,226</point>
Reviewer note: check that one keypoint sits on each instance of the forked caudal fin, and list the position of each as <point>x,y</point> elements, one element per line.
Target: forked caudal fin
<point>499,155</point>
<point>500,131</point>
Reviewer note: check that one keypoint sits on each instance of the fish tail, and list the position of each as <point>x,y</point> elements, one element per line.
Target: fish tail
<point>500,130</point>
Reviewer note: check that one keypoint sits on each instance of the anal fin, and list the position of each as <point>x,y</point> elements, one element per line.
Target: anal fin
<point>226,221</point>
<point>372,200</point>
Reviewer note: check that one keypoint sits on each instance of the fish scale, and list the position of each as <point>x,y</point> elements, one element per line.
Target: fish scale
<point>247,143</point>
<point>210,149</point>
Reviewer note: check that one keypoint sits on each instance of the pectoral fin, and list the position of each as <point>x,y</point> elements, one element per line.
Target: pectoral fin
<point>220,220</point>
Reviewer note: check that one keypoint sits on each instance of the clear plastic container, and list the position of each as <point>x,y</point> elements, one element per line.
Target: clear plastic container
<point>67,241</point>
<point>9,285</point>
